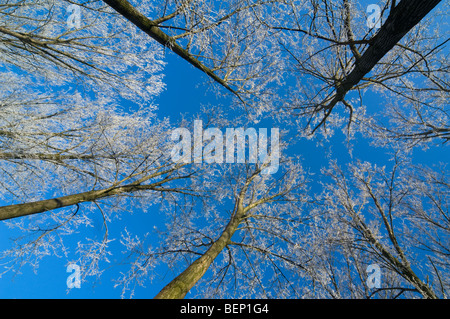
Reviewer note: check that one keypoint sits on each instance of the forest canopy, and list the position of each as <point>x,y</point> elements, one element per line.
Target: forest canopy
<point>237,149</point>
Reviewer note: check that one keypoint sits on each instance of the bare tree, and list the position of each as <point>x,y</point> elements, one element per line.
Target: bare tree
<point>225,41</point>
<point>332,50</point>
<point>64,139</point>
<point>100,52</point>
<point>422,122</point>
<point>64,168</point>
<point>69,151</point>
<point>249,234</point>
<point>397,219</point>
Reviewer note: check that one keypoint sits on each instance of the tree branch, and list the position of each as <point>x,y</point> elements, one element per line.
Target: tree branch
<point>151,28</point>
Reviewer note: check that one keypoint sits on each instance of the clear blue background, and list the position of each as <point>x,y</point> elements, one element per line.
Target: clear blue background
<point>185,93</point>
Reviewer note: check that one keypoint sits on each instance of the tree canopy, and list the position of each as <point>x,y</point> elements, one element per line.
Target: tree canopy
<point>352,109</point>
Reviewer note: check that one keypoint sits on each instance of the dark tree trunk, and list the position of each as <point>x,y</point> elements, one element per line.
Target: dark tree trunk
<point>406,15</point>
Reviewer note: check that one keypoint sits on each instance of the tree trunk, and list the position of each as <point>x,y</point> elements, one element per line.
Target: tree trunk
<point>406,15</point>
<point>20,210</point>
<point>180,286</point>
<point>151,28</point>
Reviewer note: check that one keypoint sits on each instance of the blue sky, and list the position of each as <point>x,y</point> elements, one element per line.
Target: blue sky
<point>51,276</point>
<point>184,94</point>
